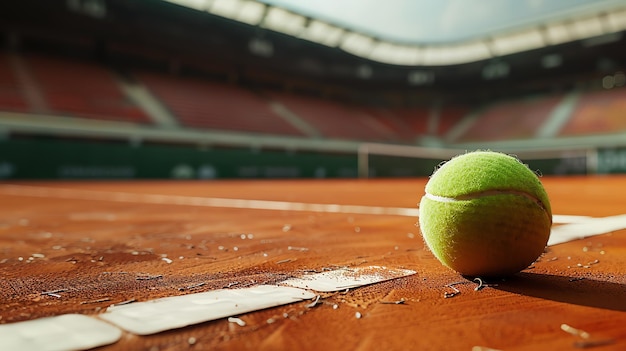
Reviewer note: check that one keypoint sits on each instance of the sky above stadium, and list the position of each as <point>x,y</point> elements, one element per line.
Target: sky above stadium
<point>437,21</point>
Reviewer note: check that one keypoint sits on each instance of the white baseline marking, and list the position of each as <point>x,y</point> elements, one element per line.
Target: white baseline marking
<point>595,226</point>
<point>77,194</point>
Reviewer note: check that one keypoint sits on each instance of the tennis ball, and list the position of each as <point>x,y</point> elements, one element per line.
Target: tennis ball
<point>485,214</point>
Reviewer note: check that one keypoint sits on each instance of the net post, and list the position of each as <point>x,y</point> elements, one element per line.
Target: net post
<point>363,160</point>
<point>592,161</point>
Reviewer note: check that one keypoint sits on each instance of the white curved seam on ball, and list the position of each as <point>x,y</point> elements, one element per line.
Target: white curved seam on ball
<point>440,198</point>
<point>486,193</point>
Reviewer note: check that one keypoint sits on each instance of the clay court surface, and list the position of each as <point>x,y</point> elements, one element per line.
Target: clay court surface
<point>95,244</point>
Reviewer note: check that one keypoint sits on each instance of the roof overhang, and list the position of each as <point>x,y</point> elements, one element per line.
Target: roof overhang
<point>596,25</point>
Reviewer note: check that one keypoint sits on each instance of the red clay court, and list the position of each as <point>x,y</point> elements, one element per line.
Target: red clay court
<point>80,247</point>
<point>246,174</point>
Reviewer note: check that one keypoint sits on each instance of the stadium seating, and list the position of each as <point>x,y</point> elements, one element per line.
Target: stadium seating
<point>514,119</point>
<point>203,104</point>
<point>399,129</point>
<point>598,112</point>
<point>80,89</point>
<point>415,118</point>
<point>449,116</point>
<point>333,119</point>
<point>410,123</point>
<point>11,96</point>
<point>60,86</point>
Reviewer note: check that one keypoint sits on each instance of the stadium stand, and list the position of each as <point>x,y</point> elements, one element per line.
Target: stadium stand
<point>11,97</point>
<point>208,105</point>
<point>598,112</point>
<point>84,89</point>
<point>415,118</point>
<point>513,119</point>
<point>333,119</point>
<point>60,86</point>
<point>401,132</point>
<point>81,89</point>
<point>408,124</point>
<point>449,116</point>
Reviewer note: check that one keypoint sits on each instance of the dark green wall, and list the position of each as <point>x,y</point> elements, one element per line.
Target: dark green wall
<point>612,160</point>
<point>57,158</point>
<point>68,159</point>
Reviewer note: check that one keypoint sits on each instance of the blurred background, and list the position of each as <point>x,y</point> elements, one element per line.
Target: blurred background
<point>211,89</point>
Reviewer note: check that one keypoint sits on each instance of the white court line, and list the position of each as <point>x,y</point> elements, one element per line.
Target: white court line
<point>153,316</point>
<point>78,194</point>
<point>346,278</point>
<point>167,313</point>
<point>64,332</point>
<point>568,219</point>
<point>596,226</point>
<point>79,332</point>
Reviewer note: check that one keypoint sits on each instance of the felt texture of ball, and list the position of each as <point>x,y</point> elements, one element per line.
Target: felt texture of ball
<point>485,214</point>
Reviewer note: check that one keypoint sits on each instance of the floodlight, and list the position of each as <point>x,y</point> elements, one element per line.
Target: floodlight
<point>617,20</point>
<point>557,33</point>
<point>517,42</point>
<point>225,8</point>
<point>251,12</point>
<point>323,33</point>
<point>284,21</point>
<point>357,44</point>
<point>398,54</point>
<point>586,28</point>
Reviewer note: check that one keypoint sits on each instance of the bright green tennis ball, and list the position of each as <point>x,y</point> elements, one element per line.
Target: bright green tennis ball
<point>485,214</point>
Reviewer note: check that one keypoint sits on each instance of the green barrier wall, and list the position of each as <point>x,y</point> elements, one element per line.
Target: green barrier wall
<point>612,161</point>
<point>65,159</point>
<point>91,159</point>
<point>385,166</point>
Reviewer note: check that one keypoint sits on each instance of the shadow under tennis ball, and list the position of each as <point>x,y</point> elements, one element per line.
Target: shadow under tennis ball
<point>572,290</point>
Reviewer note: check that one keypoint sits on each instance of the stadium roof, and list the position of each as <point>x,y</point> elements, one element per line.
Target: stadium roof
<point>429,32</point>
